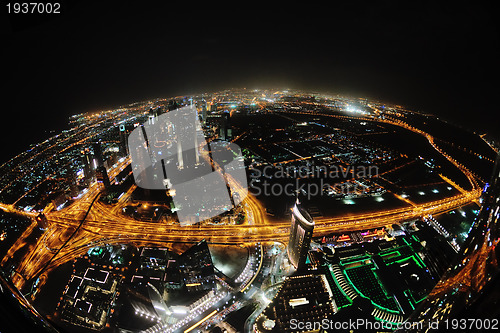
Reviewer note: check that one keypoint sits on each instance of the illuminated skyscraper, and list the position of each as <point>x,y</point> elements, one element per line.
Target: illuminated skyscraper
<point>96,147</point>
<point>123,141</point>
<point>87,165</point>
<point>71,179</point>
<point>301,232</point>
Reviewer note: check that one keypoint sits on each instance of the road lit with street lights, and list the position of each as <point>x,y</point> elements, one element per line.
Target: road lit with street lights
<point>104,224</point>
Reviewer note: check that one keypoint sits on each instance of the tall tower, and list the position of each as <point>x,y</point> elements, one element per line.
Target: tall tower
<point>151,116</point>
<point>87,166</point>
<point>301,232</point>
<point>96,146</point>
<point>71,179</point>
<point>224,126</point>
<point>123,140</point>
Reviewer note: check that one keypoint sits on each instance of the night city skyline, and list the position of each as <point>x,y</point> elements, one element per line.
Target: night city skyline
<point>261,168</point>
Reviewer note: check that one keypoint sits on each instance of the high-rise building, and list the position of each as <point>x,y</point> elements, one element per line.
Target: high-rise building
<point>151,116</point>
<point>88,170</point>
<point>224,127</point>
<point>204,112</point>
<point>96,146</point>
<point>123,141</point>
<point>301,232</point>
<point>197,268</point>
<point>153,113</point>
<point>71,179</point>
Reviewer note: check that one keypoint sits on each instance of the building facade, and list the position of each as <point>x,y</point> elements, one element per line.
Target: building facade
<point>301,232</point>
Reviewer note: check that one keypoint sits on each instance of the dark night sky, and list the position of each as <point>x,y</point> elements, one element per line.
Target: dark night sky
<point>433,58</point>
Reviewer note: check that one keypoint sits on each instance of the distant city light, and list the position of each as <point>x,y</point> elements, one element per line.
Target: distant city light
<point>362,219</point>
